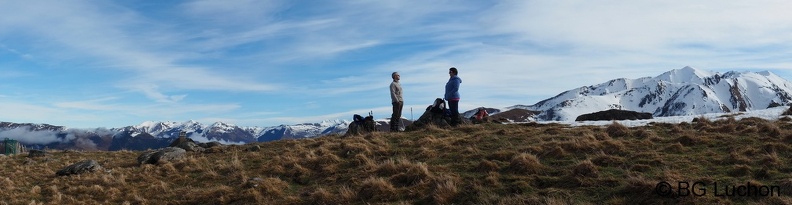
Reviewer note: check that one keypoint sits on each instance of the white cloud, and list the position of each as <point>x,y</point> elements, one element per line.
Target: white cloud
<point>92,32</point>
<point>25,136</point>
<point>643,24</point>
<point>165,108</point>
<point>95,104</point>
<point>232,12</point>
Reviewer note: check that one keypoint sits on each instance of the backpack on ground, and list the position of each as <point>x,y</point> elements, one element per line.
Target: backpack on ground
<point>357,119</point>
<point>438,106</point>
<point>481,114</point>
<point>361,125</point>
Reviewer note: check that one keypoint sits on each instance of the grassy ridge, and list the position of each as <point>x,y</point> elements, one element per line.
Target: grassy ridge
<point>471,164</point>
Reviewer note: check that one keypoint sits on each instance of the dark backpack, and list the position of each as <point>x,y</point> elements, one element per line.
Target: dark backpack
<point>438,106</point>
<point>357,119</point>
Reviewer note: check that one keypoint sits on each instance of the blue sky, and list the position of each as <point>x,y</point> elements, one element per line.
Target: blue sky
<point>82,63</point>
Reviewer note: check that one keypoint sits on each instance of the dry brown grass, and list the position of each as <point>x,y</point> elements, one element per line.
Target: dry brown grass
<point>645,134</point>
<point>471,164</point>
<point>376,189</point>
<point>585,169</point>
<point>444,189</point>
<point>525,163</point>
<point>618,130</point>
<point>771,129</point>
<point>487,166</point>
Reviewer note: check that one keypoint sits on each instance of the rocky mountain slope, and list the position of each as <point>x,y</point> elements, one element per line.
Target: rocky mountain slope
<point>686,91</point>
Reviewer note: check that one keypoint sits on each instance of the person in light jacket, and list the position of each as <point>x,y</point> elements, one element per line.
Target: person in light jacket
<point>452,93</point>
<point>397,101</point>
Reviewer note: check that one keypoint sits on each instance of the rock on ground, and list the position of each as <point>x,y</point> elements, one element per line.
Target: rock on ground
<point>161,155</point>
<point>614,114</point>
<point>80,168</point>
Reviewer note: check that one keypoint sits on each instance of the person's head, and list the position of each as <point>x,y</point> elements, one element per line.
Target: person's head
<point>395,76</point>
<point>453,71</point>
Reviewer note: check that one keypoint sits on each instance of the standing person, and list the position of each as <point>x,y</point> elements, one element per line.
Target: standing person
<point>452,94</point>
<point>397,101</point>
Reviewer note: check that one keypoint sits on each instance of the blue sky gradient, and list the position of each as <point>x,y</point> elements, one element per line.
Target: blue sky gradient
<point>90,63</point>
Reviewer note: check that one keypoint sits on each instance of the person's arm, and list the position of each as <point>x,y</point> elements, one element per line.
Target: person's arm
<point>448,92</point>
<point>393,92</point>
<point>454,86</point>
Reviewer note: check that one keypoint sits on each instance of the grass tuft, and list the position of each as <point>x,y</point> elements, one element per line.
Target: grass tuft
<point>322,196</point>
<point>444,189</point>
<point>770,129</point>
<point>525,163</point>
<point>585,169</point>
<point>618,130</point>
<point>644,134</point>
<point>487,166</point>
<point>377,188</point>
<point>740,171</point>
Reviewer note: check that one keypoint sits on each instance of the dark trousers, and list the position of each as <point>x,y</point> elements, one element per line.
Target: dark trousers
<point>453,105</point>
<point>395,121</point>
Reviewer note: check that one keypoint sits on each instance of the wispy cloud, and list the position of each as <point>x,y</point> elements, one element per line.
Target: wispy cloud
<point>14,74</point>
<point>84,28</point>
<point>643,24</point>
<point>213,59</point>
<point>16,52</point>
<point>95,104</point>
<point>169,108</point>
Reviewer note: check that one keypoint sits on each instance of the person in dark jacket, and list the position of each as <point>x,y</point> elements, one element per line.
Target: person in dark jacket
<point>452,93</point>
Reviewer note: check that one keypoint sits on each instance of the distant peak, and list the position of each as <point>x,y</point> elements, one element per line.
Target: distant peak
<point>222,124</point>
<point>686,74</point>
<point>147,124</point>
<point>766,73</point>
<point>696,72</point>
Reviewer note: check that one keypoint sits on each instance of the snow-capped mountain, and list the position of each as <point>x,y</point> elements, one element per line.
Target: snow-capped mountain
<point>686,91</point>
<point>231,134</point>
<point>304,130</point>
<point>31,126</point>
<point>152,135</point>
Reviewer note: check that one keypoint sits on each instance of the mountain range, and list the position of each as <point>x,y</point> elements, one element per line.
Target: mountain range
<point>685,91</point>
<point>159,134</point>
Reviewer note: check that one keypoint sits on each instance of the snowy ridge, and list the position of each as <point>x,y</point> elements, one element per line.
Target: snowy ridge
<point>221,130</point>
<point>680,92</point>
<point>767,114</point>
<point>227,133</point>
<point>304,130</point>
